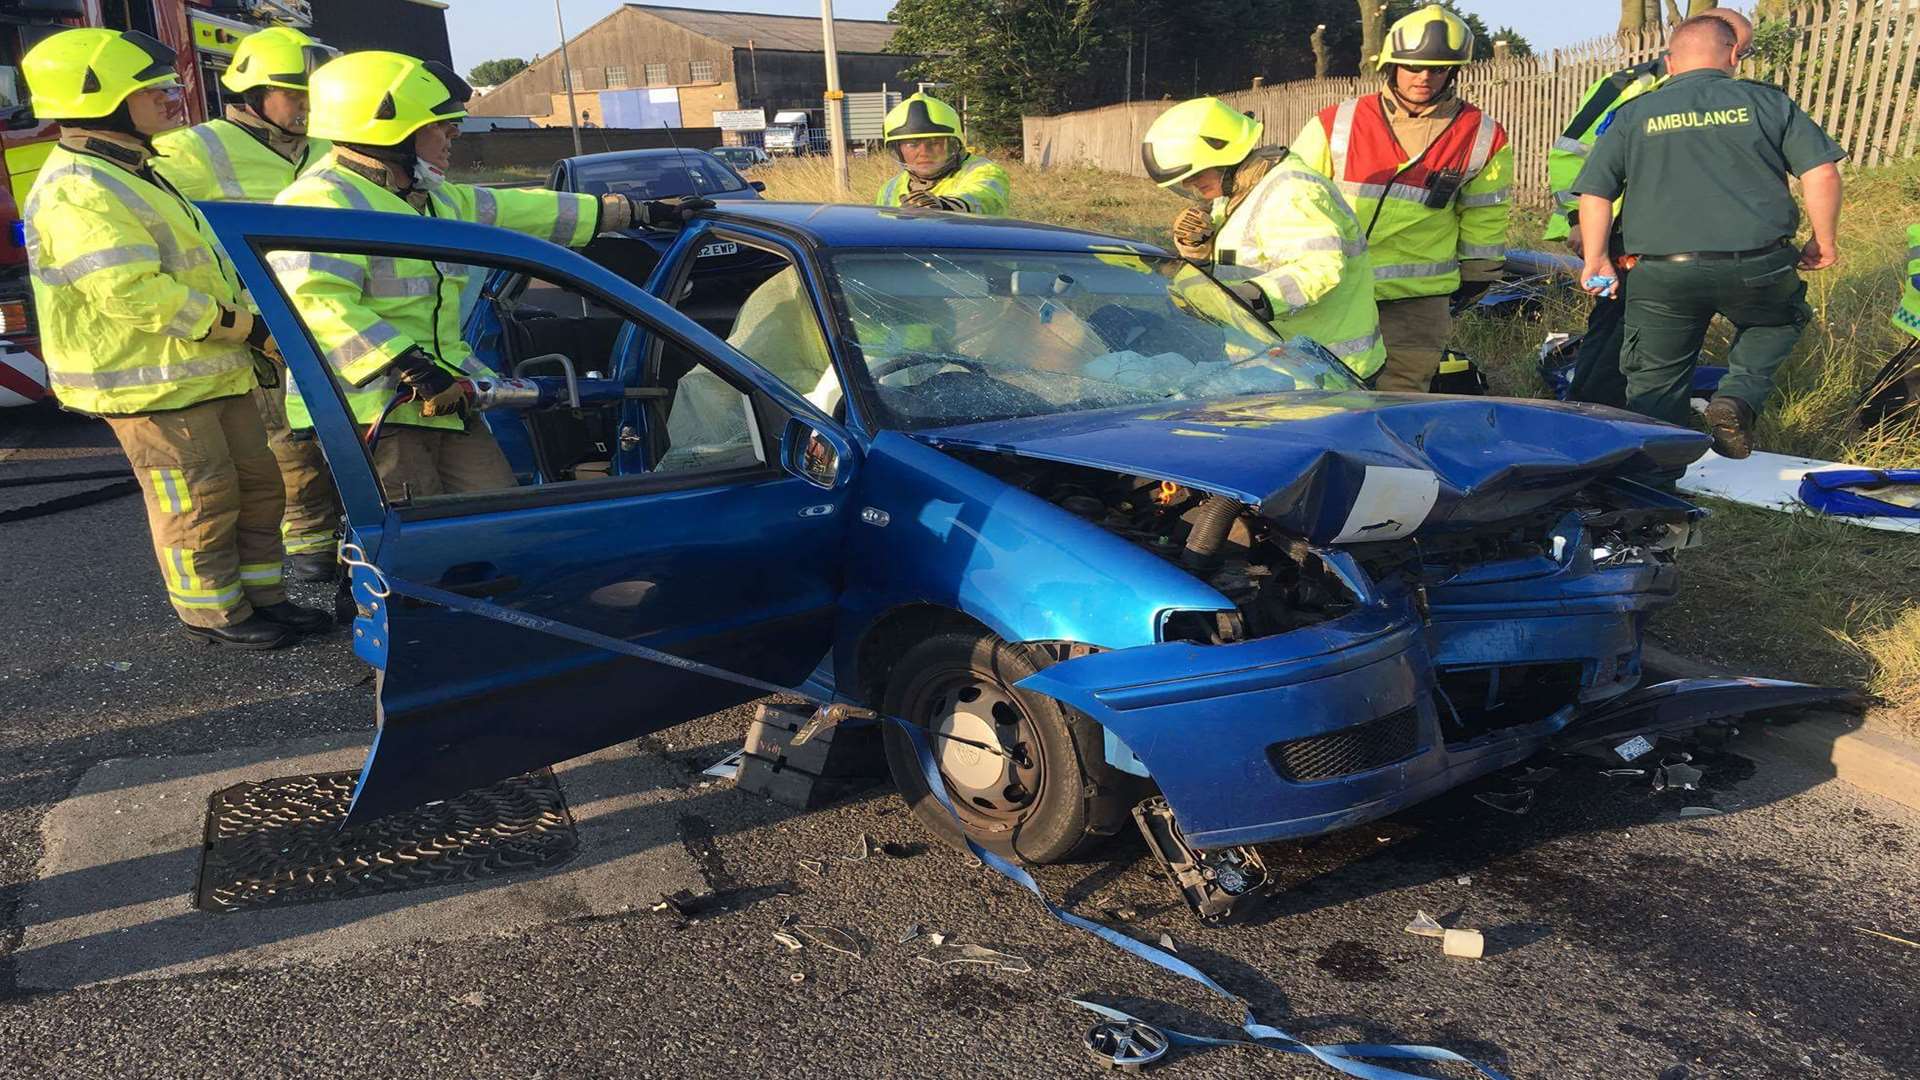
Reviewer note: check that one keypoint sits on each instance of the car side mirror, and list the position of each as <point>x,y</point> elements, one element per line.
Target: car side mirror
<point>821,458</point>
<point>757,185</point>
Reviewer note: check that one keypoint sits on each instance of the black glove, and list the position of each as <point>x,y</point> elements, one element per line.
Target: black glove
<point>1254,297</point>
<point>1468,292</point>
<point>669,213</point>
<point>434,387</point>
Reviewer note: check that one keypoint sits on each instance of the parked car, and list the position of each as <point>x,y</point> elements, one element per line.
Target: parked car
<point>653,174</point>
<point>742,158</point>
<point>1057,498</point>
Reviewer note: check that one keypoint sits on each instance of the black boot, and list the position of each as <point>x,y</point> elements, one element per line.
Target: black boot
<point>298,619</point>
<point>313,566</point>
<point>252,632</point>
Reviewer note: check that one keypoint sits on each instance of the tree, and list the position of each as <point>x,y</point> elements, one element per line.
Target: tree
<point>1517,43</point>
<point>495,72</point>
<point>1004,57</point>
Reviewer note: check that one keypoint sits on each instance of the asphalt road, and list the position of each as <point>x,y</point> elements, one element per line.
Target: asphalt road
<point>1624,940</point>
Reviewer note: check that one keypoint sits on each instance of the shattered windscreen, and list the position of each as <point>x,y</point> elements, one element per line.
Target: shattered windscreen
<point>954,337</point>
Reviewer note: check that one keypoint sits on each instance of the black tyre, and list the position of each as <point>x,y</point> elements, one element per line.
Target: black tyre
<point>1046,797</point>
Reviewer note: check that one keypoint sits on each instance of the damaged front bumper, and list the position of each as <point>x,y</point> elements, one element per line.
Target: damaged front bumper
<point>1409,695</point>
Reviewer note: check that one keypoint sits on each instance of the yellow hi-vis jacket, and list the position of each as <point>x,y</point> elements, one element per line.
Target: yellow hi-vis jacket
<point>1570,149</point>
<point>224,162</point>
<point>1296,237</point>
<point>1416,249</point>
<point>1908,317</point>
<point>977,181</point>
<point>126,283</point>
<point>365,310</point>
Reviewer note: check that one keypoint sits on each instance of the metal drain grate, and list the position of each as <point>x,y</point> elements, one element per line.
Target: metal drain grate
<point>278,841</point>
<point>1352,750</point>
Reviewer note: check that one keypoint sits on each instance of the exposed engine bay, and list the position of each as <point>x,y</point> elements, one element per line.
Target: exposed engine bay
<point>1278,582</point>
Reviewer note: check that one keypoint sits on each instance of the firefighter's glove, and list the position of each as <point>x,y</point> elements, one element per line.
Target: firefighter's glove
<point>1469,293</point>
<point>669,213</point>
<point>926,200</point>
<point>1255,298</point>
<point>434,387</point>
<point>1193,234</point>
<point>234,325</point>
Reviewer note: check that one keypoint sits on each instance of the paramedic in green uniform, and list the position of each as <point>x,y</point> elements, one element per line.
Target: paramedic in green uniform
<point>1703,164</point>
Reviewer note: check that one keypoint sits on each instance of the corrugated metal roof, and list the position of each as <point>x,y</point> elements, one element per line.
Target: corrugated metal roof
<point>797,32</point>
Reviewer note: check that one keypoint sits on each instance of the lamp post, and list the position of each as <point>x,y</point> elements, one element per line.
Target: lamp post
<point>566,68</point>
<point>836,128</point>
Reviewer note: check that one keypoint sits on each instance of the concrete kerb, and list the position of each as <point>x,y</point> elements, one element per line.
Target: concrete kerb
<point>1873,761</point>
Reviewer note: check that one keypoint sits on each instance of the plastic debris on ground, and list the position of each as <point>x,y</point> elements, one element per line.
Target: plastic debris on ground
<point>910,933</point>
<point>944,955</point>
<point>865,848</point>
<point>1889,937</point>
<point>831,938</point>
<point>1678,774</point>
<point>1166,942</point>
<point>1699,811</point>
<point>1466,944</point>
<point>1773,482</point>
<point>1425,925</point>
<point>1507,802</point>
<point>816,867</point>
<point>727,767</point>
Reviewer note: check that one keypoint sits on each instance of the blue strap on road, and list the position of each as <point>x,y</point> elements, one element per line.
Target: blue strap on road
<point>1337,1056</point>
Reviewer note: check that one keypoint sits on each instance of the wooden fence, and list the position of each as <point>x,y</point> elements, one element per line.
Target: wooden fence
<point>1853,65</point>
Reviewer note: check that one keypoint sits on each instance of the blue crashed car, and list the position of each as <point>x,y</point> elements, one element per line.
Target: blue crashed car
<point>1057,498</point>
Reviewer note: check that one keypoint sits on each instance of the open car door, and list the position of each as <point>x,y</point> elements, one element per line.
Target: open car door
<point>722,544</point>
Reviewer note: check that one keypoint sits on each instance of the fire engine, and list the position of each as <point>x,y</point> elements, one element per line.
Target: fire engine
<point>203,32</point>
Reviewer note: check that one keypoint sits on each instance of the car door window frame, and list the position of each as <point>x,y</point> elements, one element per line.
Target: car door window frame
<point>770,413</point>
<point>685,256</point>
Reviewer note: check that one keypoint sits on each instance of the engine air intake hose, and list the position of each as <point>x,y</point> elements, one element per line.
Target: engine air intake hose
<point>1210,525</point>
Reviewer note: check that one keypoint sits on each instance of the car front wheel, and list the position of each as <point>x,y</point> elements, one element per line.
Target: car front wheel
<point>1026,774</point>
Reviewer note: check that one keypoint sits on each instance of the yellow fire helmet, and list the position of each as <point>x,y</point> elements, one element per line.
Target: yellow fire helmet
<point>1430,37</point>
<point>1195,136</point>
<point>84,74</point>
<point>279,56</point>
<point>382,98</point>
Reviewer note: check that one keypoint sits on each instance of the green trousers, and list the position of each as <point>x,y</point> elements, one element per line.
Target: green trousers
<point>1668,308</point>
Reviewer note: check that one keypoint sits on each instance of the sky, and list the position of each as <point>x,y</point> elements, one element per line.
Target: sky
<point>487,29</point>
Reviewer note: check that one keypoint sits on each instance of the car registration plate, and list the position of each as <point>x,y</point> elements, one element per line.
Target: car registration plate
<point>718,247</point>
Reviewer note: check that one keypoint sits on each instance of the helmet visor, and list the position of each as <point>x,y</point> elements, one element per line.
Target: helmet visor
<point>159,55</point>
<point>458,90</point>
<point>1163,172</point>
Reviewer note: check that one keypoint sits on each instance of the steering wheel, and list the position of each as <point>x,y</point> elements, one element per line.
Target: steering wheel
<point>920,359</point>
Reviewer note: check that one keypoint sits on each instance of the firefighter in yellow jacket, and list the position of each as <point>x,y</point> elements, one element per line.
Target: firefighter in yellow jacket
<point>1430,178</point>
<point>1277,233</point>
<point>389,327</point>
<point>252,154</point>
<point>143,325</point>
<point>923,134</point>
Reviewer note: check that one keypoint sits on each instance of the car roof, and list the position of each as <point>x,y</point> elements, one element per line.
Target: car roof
<point>628,155</point>
<point>842,225</point>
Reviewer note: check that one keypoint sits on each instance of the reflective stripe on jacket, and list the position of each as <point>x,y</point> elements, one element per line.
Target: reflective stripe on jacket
<point>1569,151</point>
<point>365,310</point>
<point>126,281</point>
<point>982,184</point>
<point>1416,250</point>
<point>1908,317</point>
<point>1302,244</point>
<point>221,161</point>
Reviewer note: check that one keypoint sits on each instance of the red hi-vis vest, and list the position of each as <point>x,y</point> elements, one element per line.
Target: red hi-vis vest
<point>1417,248</point>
